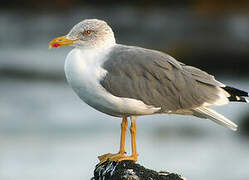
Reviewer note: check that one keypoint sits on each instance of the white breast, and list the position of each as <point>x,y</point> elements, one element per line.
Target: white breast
<point>83,72</point>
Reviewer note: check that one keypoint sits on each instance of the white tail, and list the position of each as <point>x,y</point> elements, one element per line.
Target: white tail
<point>247,101</point>
<point>216,117</point>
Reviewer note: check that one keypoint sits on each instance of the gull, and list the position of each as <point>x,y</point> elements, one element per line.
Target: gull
<point>129,81</point>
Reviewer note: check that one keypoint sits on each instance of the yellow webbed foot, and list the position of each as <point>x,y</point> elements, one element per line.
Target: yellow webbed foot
<point>116,157</point>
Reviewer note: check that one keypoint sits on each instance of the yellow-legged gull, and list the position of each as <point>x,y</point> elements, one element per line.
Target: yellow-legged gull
<point>128,81</point>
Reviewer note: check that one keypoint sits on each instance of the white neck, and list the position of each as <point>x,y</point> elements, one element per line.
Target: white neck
<point>83,66</point>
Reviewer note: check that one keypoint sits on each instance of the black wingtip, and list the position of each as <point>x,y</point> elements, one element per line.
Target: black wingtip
<point>236,94</point>
<point>235,91</point>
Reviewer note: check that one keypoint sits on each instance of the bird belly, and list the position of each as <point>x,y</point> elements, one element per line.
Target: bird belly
<point>84,73</point>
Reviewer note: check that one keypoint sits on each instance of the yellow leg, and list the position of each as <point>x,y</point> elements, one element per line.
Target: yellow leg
<point>133,130</point>
<point>124,125</point>
<point>121,155</point>
<point>106,157</point>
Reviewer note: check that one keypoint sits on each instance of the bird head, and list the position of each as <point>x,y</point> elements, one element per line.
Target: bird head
<point>87,34</point>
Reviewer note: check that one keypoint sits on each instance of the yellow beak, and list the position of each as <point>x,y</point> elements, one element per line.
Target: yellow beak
<point>60,41</point>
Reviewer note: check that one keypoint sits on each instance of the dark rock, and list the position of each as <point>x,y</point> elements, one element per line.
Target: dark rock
<point>128,170</point>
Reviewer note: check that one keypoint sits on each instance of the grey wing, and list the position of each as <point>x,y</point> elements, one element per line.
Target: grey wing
<point>158,79</point>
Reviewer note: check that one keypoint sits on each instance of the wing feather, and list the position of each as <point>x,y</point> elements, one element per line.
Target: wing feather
<point>158,79</point>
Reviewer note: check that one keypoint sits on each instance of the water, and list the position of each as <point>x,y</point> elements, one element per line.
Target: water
<point>46,132</point>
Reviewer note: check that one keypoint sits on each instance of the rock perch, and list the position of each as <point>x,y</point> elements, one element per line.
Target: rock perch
<point>128,170</point>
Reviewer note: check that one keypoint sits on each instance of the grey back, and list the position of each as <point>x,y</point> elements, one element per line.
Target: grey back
<point>157,79</point>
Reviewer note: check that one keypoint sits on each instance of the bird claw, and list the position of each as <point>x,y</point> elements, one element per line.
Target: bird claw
<point>116,157</point>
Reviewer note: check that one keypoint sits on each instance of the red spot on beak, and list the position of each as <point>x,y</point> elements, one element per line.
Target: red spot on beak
<point>55,45</point>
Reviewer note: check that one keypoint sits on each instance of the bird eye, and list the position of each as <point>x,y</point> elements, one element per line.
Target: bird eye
<point>87,32</point>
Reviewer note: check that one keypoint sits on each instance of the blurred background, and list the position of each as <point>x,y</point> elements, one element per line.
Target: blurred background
<point>46,132</point>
